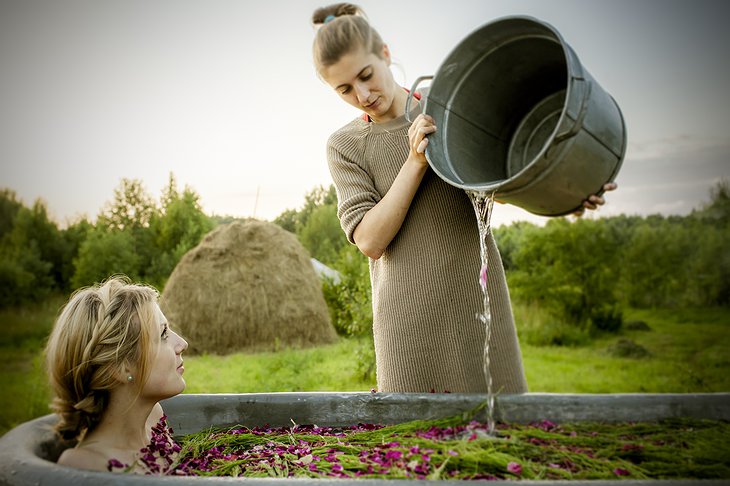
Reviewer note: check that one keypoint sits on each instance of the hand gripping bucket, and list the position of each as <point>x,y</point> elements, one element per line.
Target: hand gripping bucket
<point>518,115</point>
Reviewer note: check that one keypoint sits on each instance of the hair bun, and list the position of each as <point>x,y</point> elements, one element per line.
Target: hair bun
<point>326,14</point>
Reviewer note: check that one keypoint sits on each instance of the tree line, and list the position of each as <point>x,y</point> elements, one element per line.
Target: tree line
<point>133,234</point>
<point>583,272</point>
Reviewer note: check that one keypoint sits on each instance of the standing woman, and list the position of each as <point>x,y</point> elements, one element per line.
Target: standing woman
<point>419,232</point>
<point>111,358</point>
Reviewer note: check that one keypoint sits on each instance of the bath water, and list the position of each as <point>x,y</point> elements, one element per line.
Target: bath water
<point>483,204</point>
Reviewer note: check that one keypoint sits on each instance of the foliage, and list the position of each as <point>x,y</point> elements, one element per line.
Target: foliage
<point>105,252</point>
<point>131,208</point>
<point>676,262</point>
<point>137,237</point>
<point>9,207</point>
<point>133,235</point>
<point>322,236</point>
<point>349,300</point>
<point>717,210</point>
<point>294,220</point>
<point>537,327</point>
<point>569,269</point>
<point>176,228</point>
<point>30,252</point>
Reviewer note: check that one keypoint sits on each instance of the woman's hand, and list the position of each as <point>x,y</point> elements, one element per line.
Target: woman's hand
<point>594,201</point>
<point>422,126</point>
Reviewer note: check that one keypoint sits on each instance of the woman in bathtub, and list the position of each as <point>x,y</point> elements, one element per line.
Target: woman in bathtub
<point>111,358</point>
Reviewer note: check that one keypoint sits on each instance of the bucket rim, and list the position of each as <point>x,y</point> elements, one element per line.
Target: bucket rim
<point>573,71</point>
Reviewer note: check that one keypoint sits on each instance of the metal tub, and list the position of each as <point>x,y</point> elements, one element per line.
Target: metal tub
<point>28,452</point>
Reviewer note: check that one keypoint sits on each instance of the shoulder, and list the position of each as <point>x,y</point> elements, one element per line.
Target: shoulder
<point>155,415</point>
<point>353,132</point>
<point>83,458</point>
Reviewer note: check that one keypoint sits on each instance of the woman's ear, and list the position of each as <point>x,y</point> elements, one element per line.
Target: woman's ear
<point>386,54</point>
<point>125,374</point>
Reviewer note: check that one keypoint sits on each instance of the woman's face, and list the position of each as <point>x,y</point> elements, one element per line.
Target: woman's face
<point>166,368</point>
<point>364,81</point>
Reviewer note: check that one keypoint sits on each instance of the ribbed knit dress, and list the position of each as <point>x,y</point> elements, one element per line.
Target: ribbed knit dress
<point>426,292</point>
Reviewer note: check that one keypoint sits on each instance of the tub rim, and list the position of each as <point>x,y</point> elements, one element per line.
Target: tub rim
<point>21,448</point>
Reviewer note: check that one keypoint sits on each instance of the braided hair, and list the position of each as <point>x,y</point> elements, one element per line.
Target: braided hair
<point>101,332</point>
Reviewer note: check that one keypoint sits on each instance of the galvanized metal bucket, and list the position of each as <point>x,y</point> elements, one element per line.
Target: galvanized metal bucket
<point>517,114</point>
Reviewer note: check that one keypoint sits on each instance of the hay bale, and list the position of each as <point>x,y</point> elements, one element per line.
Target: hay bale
<point>248,286</point>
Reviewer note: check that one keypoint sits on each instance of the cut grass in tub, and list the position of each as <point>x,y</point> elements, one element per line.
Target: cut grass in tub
<point>459,448</point>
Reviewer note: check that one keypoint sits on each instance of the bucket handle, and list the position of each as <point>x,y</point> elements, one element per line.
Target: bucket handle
<point>572,131</point>
<point>581,114</point>
<point>418,81</point>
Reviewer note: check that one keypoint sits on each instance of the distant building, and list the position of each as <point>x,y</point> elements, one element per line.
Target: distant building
<point>324,271</point>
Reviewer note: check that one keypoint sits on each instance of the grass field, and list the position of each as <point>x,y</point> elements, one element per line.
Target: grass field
<point>687,352</point>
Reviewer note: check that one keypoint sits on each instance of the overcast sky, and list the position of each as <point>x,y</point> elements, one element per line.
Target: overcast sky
<point>223,94</point>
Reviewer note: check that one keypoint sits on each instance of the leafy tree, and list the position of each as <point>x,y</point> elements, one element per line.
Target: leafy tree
<point>9,207</point>
<point>71,239</point>
<point>179,226</point>
<point>717,211</point>
<point>653,263</point>
<point>105,252</point>
<point>295,220</point>
<point>131,208</point>
<point>30,254</point>
<point>322,234</point>
<point>288,220</point>
<point>508,240</point>
<point>707,270</point>
<point>350,300</point>
<point>24,275</point>
<point>32,227</point>
<point>569,269</point>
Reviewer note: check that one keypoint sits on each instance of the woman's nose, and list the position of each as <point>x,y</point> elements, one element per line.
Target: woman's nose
<point>182,344</point>
<point>363,93</point>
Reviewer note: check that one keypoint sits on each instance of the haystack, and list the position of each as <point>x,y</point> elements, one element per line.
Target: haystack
<point>247,287</point>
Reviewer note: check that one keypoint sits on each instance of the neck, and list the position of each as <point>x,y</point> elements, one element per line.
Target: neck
<point>124,423</point>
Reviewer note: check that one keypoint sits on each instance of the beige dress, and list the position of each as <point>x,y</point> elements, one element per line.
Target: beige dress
<point>426,291</point>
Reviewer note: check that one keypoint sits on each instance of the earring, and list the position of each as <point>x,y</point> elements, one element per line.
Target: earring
<point>129,378</point>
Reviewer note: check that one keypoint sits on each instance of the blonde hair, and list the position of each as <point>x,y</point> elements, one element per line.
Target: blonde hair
<point>100,331</point>
<point>342,28</point>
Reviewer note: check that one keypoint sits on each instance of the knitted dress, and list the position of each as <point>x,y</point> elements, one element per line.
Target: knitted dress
<point>425,286</point>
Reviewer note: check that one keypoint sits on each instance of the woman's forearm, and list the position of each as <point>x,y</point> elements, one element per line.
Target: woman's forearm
<point>381,223</point>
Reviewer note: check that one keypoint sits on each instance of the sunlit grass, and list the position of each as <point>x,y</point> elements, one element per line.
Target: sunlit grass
<point>325,368</point>
<point>23,332</point>
<point>688,353</point>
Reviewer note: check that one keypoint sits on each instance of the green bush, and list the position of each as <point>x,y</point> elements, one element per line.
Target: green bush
<point>537,327</point>
<point>104,253</point>
<point>569,268</point>
<point>349,300</point>
<point>607,318</point>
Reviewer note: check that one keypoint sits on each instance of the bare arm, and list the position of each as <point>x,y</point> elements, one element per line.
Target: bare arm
<point>381,223</point>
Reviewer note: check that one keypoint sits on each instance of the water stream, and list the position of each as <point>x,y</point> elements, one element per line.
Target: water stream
<point>483,204</point>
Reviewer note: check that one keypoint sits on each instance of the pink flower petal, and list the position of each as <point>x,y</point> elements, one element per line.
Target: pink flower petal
<point>483,277</point>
